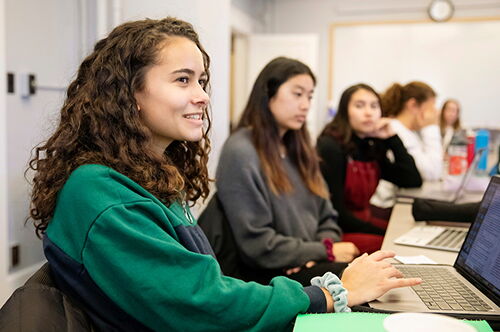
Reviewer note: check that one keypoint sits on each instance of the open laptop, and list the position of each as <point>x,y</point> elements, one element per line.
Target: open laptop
<point>439,236</point>
<point>434,237</point>
<point>471,287</point>
<point>441,195</point>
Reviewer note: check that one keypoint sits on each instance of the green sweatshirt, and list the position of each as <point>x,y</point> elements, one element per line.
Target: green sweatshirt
<point>132,260</point>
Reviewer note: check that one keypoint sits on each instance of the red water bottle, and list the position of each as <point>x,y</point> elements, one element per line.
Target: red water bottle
<point>471,142</point>
<point>457,152</point>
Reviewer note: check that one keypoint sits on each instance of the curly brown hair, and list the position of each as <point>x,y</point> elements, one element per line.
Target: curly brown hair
<point>100,123</point>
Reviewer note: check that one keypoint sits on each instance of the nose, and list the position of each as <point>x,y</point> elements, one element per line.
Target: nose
<point>305,104</point>
<point>201,97</point>
<point>369,112</point>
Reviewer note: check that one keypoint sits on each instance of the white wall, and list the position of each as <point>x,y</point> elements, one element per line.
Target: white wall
<point>250,16</point>
<point>315,16</point>
<point>41,38</point>
<point>4,289</point>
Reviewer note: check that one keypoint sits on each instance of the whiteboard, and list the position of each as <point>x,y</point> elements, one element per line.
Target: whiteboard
<point>459,59</point>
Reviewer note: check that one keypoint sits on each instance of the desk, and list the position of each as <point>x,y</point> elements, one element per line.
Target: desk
<point>472,191</point>
<point>402,221</point>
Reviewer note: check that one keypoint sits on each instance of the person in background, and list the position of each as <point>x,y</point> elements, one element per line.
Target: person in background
<point>270,186</point>
<point>110,193</point>
<point>353,149</point>
<point>415,121</point>
<point>449,121</point>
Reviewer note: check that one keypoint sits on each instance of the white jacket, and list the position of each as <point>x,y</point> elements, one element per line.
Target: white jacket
<point>426,149</point>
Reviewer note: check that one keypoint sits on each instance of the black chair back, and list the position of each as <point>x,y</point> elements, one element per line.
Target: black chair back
<point>38,306</point>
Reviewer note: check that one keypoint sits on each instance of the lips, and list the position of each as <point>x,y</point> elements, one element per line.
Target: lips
<point>300,118</point>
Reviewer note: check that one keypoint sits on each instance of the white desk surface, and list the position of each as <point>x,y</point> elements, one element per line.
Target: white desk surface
<point>401,221</point>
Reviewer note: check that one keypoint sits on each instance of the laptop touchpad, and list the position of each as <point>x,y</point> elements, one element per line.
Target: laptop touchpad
<point>405,298</point>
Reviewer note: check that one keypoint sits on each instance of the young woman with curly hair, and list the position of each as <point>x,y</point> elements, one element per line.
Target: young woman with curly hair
<point>110,191</point>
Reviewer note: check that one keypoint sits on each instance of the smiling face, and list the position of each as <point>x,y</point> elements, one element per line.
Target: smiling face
<point>173,99</point>
<point>291,102</point>
<point>364,112</point>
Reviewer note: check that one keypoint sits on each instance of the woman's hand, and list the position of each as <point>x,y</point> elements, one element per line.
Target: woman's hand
<point>383,129</point>
<point>369,277</point>
<point>427,117</point>
<point>344,251</point>
<point>298,268</point>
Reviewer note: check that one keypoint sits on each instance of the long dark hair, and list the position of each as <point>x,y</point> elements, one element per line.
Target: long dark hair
<point>340,127</point>
<point>396,96</point>
<point>100,123</point>
<point>265,133</point>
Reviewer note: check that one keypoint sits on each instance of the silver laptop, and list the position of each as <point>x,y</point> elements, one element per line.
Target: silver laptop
<point>471,287</point>
<point>434,237</point>
<point>441,237</point>
<point>441,195</point>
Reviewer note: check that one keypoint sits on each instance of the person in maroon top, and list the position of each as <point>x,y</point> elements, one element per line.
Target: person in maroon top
<point>357,149</point>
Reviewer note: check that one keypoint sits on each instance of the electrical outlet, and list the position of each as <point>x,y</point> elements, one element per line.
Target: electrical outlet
<point>27,84</point>
<point>15,255</point>
<point>10,82</point>
<point>31,84</point>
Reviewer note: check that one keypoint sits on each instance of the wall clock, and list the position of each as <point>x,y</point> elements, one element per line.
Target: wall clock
<point>440,10</point>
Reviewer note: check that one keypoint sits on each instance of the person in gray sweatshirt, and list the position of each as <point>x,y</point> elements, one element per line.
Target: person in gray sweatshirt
<point>270,185</point>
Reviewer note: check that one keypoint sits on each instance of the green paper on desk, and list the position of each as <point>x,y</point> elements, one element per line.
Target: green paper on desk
<point>356,321</point>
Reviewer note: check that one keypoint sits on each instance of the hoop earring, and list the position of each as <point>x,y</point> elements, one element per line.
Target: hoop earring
<point>138,107</point>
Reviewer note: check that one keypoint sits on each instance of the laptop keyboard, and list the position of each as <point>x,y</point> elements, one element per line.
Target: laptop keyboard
<point>450,238</point>
<point>436,237</point>
<point>441,290</point>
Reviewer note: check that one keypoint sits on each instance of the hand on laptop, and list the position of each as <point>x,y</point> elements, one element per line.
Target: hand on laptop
<point>369,277</point>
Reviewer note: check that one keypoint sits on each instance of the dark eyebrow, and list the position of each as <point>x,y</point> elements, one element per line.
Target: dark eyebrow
<point>302,88</point>
<point>184,71</point>
<point>187,71</point>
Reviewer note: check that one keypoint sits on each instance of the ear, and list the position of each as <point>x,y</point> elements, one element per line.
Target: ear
<point>411,103</point>
<point>137,98</point>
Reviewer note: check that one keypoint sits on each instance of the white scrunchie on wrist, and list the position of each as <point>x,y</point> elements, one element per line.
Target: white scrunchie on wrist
<point>333,284</point>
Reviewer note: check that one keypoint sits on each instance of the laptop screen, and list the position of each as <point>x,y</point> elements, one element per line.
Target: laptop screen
<point>480,253</point>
